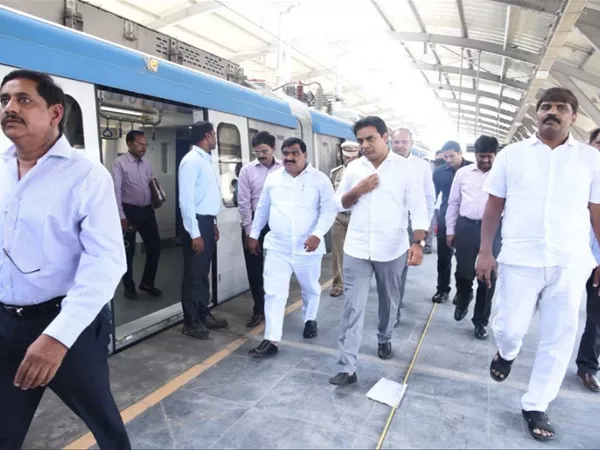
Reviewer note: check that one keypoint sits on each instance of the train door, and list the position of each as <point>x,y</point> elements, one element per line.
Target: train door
<point>232,150</point>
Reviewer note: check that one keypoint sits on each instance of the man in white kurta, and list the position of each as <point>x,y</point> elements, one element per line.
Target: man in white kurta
<point>548,187</point>
<point>297,202</point>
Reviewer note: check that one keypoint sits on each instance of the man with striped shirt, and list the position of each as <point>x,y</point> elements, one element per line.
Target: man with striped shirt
<point>62,258</point>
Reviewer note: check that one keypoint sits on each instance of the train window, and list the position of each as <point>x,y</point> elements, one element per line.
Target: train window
<point>230,161</point>
<point>251,133</point>
<point>73,123</point>
<point>164,156</point>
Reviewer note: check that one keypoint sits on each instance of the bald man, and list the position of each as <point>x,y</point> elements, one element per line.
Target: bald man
<point>340,226</point>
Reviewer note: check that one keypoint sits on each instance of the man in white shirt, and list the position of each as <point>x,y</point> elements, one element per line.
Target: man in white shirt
<point>297,202</point>
<point>548,187</point>
<point>402,142</point>
<point>381,189</point>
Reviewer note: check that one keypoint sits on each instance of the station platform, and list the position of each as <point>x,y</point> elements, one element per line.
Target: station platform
<point>178,392</point>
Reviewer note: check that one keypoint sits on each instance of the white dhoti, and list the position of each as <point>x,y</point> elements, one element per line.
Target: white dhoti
<point>555,292</point>
<point>277,273</point>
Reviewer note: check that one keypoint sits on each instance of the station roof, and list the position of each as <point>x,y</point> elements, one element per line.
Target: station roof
<point>447,69</point>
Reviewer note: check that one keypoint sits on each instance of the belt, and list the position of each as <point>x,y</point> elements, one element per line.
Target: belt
<point>40,309</point>
<point>136,206</point>
<point>466,219</point>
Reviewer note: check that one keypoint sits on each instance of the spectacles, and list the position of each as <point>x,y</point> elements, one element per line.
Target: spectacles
<point>15,264</point>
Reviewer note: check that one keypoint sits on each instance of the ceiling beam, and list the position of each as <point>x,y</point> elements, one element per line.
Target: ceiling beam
<point>182,13</point>
<point>481,113</point>
<point>547,6</point>
<point>564,22</point>
<point>482,93</point>
<point>473,119</point>
<point>245,56</point>
<point>586,104</point>
<point>472,73</point>
<point>592,34</point>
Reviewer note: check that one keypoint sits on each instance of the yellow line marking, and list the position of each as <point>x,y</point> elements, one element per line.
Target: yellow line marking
<point>406,376</point>
<point>131,412</point>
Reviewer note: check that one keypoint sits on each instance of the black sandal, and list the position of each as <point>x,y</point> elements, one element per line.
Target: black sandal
<point>500,365</point>
<point>538,420</point>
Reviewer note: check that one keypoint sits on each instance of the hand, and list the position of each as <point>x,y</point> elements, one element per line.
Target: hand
<point>450,240</point>
<point>253,245</point>
<point>124,224</point>
<point>198,245</point>
<point>597,277</point>
<point>217,235</point>
<point>486,265</point>
<point>368,184</point>
<point>41,362</point>
<point>415,255</point>
<point>311,243</point>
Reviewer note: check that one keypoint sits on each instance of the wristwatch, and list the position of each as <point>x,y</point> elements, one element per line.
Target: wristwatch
<point>421,243</point>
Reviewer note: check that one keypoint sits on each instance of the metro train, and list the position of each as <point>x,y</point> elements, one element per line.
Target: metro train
<point>111,89</point>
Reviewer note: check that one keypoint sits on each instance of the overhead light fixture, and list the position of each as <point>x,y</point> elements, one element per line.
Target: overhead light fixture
<point>121,111</point>
<point>542,74</point>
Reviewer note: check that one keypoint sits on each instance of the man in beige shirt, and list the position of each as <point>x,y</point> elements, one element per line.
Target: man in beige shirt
<point>340,226</point>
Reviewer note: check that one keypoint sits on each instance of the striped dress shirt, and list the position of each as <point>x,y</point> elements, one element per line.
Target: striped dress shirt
<point>60,236</point>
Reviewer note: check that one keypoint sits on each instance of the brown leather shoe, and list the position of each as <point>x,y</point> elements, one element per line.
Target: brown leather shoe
<point>589,381</point>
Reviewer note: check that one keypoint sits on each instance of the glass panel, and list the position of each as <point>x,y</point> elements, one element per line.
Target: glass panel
<point>73,123</point>
<point>165,129</point>
<point>230,161</point>
<point>251,133</point>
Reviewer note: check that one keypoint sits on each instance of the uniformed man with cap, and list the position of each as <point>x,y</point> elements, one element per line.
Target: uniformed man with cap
<point>340,226</point>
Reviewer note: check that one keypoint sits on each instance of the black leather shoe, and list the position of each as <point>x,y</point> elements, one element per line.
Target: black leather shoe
<point>310,329</point>
<point>266,348</point>
<point>385,350</point>
<point>130,294</point>
<point>152,290</point>
<point>460,313</point>
<point>212,323</point>
<point>343,379</point>
<point>196,330</point>
<point>427,250</point>
<point>255,320</point>
<point>481,332</point>
<point>440,297</point>
<point>589,381</point>
<point>455,300</point>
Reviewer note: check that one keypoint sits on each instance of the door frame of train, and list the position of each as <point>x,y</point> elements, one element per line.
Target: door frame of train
<point>229,258</point>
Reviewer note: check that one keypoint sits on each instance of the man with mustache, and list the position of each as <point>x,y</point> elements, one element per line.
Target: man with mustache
<point>132,174</point>
<point>297,202</point>
<point>340,226</point>
<point>548,187</point>
<point>251,180</point>
<point>62,258</point>
<point>381,189</point>
<point>463,232</point>
<point>589,346</point>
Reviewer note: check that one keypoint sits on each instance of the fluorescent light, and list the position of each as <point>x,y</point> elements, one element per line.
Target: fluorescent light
<point>542,74</point>
<point>121,111</point>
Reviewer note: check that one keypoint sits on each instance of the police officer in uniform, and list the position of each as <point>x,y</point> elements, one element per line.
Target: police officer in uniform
<point>340,226</point>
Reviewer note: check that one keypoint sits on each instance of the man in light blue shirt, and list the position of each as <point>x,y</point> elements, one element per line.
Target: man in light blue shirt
<point>589,346</point>
<point>297,202</point>
<point>200,202</point>
<point>61,259</point>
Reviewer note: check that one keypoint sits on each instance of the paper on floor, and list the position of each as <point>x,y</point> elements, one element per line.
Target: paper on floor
<point>388,392</point>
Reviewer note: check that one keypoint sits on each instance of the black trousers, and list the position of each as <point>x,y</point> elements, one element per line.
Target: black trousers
<point>195,288</point>
<point>589,347</point>
<point>82,381</point>
<point>444,256</point>
<point>467,240</point>
<point>255,269</point>
<point>144,220</point>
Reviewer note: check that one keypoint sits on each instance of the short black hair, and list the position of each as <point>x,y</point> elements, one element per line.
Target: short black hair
<point>263,137</point>
<point>200,130</point>
<point>486,144</point>
<point>132,135</point>
<point>451,145</point>
<point>370,121</point>
<point>559,94</point>
<point>293,141</point>
<point>47,88</point>
<point>594,135</point>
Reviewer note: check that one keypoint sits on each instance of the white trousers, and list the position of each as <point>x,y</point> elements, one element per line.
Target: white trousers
<point>277,273</point>
<point>555,292</point>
